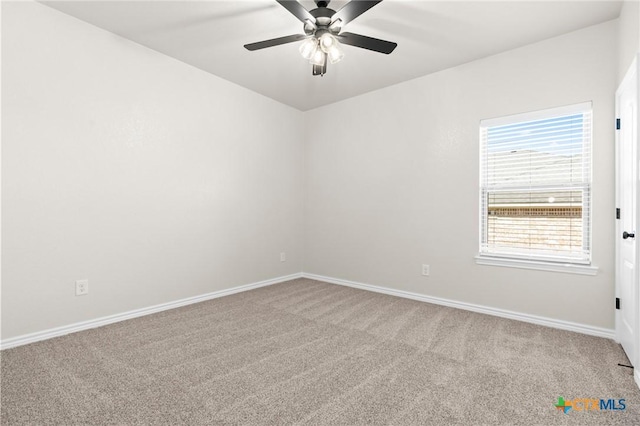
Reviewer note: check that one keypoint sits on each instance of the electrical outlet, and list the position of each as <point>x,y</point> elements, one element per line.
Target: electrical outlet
<point>283,257</point>
<point>425,270</point>
<point>82,287</point>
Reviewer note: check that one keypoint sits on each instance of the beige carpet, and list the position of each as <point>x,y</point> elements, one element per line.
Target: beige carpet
<point>306,352</point>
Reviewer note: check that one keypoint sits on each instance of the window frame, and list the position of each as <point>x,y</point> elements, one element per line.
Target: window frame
<point>520,258</point>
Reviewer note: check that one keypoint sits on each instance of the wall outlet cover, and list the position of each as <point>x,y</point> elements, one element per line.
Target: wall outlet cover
<point>425,270</point>
<point>82,287</point>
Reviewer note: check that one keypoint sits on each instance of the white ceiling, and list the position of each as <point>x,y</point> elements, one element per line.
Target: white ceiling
<point>431,36</point>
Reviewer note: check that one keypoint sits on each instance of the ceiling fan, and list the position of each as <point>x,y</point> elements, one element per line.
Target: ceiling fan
<point>322,33</point>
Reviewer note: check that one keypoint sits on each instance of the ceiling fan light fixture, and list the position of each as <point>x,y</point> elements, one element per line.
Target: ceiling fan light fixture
<point>327,41</point>
<point>309,27</point>
<point>336,53</point>
<point>309,47</point>
<point>336,26</point>
<point>319,58</point>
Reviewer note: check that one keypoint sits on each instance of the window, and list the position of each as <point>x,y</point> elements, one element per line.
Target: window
<point>535,186</point>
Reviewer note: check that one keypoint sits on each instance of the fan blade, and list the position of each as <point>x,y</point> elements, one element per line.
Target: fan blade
<point>297,10</point>
<point>352,10</point>
<point>365,42</point>
<point>274,42</point>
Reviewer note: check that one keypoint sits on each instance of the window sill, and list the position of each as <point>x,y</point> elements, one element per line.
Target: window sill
<point>537,265</point>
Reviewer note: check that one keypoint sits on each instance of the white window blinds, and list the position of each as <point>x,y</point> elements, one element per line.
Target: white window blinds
<point>535,185</point>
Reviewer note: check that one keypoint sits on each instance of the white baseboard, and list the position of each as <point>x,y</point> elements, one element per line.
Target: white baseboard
<point>636,376</point>
<point>98,322</point>
<point>533,319</point>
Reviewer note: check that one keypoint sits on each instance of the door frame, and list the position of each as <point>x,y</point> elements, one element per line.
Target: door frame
<point>632,72</point>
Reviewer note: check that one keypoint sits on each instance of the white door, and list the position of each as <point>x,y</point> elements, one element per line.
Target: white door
<point>627,325</point>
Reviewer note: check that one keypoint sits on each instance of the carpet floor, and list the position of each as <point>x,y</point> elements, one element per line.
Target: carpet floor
<point>308,352</point>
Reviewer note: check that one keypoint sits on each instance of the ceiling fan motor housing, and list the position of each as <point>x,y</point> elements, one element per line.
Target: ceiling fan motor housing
<point>323,16</point>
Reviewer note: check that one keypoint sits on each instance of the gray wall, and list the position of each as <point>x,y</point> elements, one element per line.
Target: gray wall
<point>154,180</point>
<point>628,36</point>
<point>396,185</point>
